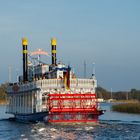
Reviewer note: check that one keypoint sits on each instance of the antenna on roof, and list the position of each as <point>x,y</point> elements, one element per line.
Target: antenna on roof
<point>10,73</point>
<point>84,69</point>
<point>93,69</point>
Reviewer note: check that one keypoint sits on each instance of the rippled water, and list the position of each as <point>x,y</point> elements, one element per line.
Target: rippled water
<point>112,126</point>
<point>118,117</point>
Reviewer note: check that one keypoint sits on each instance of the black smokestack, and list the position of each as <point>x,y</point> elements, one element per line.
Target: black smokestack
<point>53,44</point>
<point>25,59</point>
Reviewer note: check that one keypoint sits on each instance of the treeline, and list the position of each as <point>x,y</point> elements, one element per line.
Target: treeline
<point>2,92</point>
<point>133,94</point>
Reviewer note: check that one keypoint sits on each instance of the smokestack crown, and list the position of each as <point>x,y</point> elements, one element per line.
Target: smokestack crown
<point>53,42</point>
<point>24,41</point>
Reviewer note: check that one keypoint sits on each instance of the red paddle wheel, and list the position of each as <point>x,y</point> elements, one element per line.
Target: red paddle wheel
<point>73,107</point>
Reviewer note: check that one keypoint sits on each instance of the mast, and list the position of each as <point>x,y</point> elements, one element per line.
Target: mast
<point>93,72</point>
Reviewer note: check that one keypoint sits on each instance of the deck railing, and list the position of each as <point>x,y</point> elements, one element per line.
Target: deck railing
<point>53,84</point>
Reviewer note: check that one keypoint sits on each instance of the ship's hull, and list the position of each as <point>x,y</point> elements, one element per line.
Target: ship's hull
<point>33,117</point>
<point>72,117</point>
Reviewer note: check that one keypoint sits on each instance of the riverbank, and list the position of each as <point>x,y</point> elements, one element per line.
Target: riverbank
<point>125,101</point>
<point>127,107</point>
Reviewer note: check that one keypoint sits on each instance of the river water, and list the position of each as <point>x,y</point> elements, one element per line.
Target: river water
<point>111,126</point>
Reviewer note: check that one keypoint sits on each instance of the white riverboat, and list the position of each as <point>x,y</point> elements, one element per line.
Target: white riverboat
<point>27,99</point>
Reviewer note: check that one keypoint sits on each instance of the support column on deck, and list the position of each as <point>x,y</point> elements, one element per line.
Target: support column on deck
<point>12,103</point>
<point>32,102</point>
<point>9,109</point>
<point>19,103</point>
<point>23,104</point>
<point>17,106</point>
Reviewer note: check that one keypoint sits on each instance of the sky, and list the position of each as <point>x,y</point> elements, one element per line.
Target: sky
<point>104,32</point>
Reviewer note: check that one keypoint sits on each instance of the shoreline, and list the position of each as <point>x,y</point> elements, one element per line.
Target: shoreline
<point>3,102</point>
<point>133,108</point>
<point>125,101</point>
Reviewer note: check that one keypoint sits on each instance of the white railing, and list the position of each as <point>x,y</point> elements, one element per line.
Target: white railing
<point>55,84</point>
<point>82,83</point>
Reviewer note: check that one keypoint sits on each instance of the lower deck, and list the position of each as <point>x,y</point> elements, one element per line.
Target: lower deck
<point>26,103</point>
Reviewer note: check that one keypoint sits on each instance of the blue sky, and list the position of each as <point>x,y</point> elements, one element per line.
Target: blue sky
<point>102,31</point>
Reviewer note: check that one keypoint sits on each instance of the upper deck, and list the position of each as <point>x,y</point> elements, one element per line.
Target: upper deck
<point>53,84</point>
